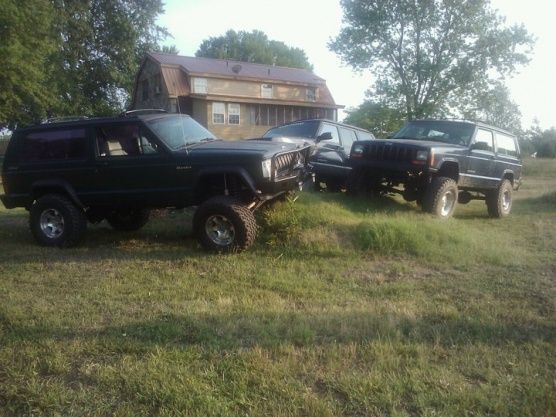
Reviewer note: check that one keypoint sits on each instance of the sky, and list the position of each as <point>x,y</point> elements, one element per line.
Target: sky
<point>310,24</point>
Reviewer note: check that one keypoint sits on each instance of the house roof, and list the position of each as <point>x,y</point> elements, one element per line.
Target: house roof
<point>230,68</point>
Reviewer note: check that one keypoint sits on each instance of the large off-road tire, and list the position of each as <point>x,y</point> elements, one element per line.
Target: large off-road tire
<point>128,220</point>
<point>333,186</point>
<point>441,197</point>
<point>55,221</point>
<point>224,224</point>
<point>499,201</point>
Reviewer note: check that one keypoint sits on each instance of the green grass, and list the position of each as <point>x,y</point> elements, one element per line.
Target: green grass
<point>343,307</point>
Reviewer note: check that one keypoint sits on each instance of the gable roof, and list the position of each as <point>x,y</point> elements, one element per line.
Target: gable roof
<point>225,67</point>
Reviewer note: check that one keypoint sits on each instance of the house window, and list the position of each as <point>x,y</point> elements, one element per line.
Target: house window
<point>173,105</point>
<point>233,113</point>
<point>266,91</point>
<point>157,84</point>
<point>200,86</point>
<point>218,113</point>
<point>311,94</point>
<point>145,89</point>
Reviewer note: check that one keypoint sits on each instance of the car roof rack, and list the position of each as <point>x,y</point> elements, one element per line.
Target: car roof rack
<point>130,113</point>
<point>64,119</point>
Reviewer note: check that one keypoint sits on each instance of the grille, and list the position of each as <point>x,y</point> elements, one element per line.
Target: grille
<point>390,152</point>
<point>285,164</point>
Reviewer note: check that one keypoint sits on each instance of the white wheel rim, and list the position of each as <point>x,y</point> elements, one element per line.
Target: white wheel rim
<point>506,200</point>
<point>52,223</point>
<point>447,203</point>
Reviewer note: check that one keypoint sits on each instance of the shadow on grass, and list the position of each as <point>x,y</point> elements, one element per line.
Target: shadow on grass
<point>546,203</point>
<point>236,331</point>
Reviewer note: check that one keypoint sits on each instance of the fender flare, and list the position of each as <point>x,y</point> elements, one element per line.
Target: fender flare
<point>61,185</point>
<point>239,171</point>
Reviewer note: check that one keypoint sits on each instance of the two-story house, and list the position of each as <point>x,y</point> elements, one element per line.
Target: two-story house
<point>234,100</point>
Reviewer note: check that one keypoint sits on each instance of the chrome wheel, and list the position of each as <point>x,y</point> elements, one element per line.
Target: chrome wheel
<point>447,203</point>
<point>506,200</point>
<point>52,223</point>
<point>220,230</point>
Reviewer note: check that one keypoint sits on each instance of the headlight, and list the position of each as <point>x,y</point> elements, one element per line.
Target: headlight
<point>422,155</point>
<point>266,167</point>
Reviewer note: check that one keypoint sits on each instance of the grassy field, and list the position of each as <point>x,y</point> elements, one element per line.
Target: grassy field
<point>343,307</point>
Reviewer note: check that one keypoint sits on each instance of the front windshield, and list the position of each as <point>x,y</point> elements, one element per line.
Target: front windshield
<point>179,131</point>
<point>299,130</point>
<point>457,133</point>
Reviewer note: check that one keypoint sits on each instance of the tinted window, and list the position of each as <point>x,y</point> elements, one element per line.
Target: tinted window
<point>54,145</point>
<point>505,145</point>
<point>348,137</point>
<point>123,140</point>
<point>301,130</point>
<point>439,131</point>
<point>483,140</point>
<point>333,130</point>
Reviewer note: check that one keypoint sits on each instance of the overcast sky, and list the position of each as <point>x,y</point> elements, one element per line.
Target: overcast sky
<point>309,24</point>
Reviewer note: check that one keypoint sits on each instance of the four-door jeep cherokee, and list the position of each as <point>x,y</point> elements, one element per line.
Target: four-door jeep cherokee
<point>440,163</point>
<point>66,173</point>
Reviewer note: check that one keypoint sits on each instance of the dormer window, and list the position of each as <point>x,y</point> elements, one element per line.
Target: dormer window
<point>311,94</point>
<point>200,85</point>
<point>266,91</point>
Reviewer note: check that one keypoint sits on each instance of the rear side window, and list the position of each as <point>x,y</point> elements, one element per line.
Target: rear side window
<point>123,140</point>
<point>54,145</point>
<point>505,145</point>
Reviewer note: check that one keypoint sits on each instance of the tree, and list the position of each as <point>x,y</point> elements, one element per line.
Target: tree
<point>171,49</point>
<point>253,47</point>
<point>26,45</point>
<point>495,106</point>
<point>378,118</point>
<point>66,57</point>
<point>101,43</point>
<point>431,57</point>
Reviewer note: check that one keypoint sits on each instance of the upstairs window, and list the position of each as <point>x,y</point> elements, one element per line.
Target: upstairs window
<point>145,90</point>
<point>233,113</point>
<point>218,113</point>
<point>267,91</point>
<point>200,85</point>
<point>157,84</point>
<point>311,94</point>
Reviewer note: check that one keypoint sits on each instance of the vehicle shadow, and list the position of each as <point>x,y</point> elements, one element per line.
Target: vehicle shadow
<point>223,332</point>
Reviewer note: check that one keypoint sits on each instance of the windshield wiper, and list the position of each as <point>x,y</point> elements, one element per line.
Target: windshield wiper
<point>191,144</point>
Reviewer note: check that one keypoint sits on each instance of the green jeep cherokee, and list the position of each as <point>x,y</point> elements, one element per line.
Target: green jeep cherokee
<point>70,172</point>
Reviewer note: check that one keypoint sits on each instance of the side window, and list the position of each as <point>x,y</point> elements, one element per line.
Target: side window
<point>123,140</point>
<point>348,137</point>
<point>483,141</point>
<point>505,145</point>
<point>54,145</point>
<point>233,113</point>
<point>333,130</point>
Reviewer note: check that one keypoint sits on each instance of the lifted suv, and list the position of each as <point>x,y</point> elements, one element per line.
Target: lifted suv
<point>71,172</point>
<point>439,163</point>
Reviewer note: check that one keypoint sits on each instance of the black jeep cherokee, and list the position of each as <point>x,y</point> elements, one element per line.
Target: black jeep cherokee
<point>68,173</point>
<point>439,163</point>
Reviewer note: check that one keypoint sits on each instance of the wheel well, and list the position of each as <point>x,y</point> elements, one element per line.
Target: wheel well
<point>211,185</point>
<point>450,170</point>
<point>508,176</point>
<point>39,192</point>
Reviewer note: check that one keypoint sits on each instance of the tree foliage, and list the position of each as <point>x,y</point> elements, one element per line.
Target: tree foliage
<point>379,119</point>
<point>431,57</point>
<point>253,47</point>
<point>64,57</point>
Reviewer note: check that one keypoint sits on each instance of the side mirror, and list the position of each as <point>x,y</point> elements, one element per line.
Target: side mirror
<point>324,136</point>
